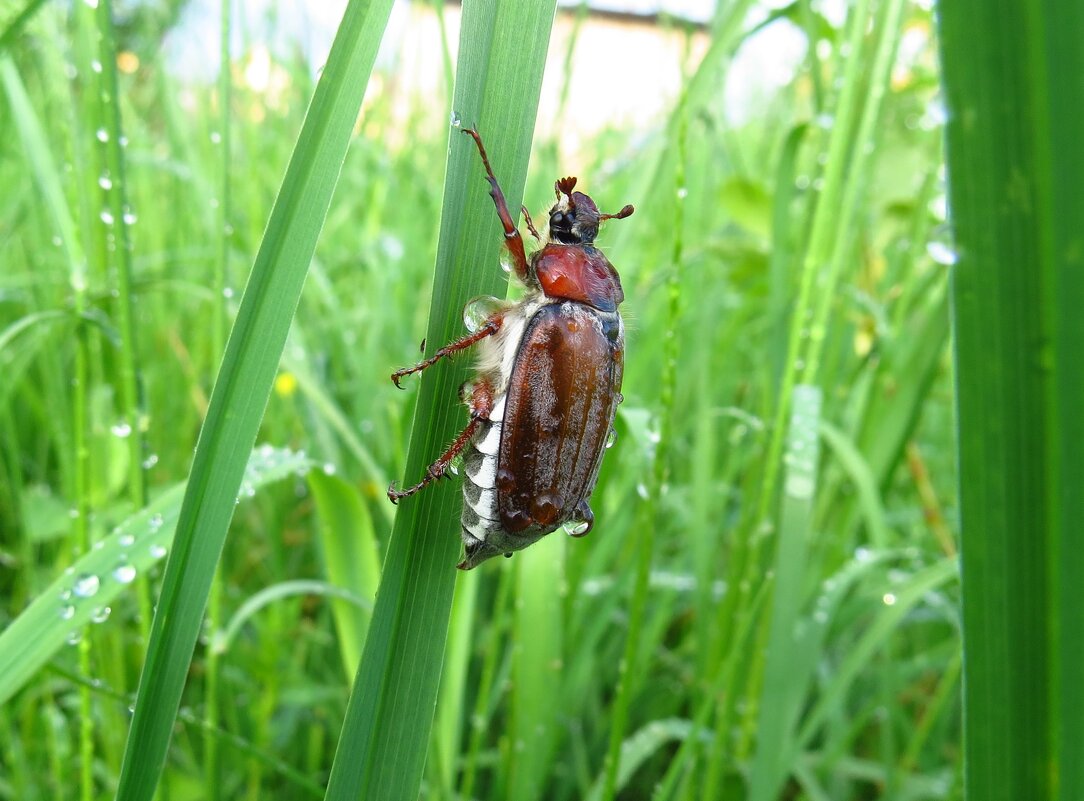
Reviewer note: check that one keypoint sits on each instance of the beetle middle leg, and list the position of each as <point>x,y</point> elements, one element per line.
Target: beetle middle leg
<point>512,237</point>
<point>480,404</point>
<point>488,328</point>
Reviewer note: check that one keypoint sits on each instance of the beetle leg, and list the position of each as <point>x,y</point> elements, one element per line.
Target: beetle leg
<point>511,233</point>
<point>488,328</point>
<point>481,404</point>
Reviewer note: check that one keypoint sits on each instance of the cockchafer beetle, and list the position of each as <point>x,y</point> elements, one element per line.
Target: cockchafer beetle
<point>543,401</point>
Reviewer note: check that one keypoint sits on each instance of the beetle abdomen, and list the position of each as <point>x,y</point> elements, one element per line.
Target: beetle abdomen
<point>560,404</point>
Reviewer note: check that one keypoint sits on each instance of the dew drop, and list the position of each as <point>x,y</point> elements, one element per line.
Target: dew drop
<point>155,522</point>
<point>105,182</point>
<point>100,615</point>
<point>150,461</point>
<point>107,217</point>
<point>86,586</point>
<point>126,540</point>
<point>157,551</point>
<point>455,120</point>
<point>682,192</point>
<point>75,638</point>
<point>329,469</point>
<point>67,612</point>
<point>478,310</point>
<point>942,247</point>
<point>123,429</point>
<point>124,573</point>
<point>227,293</point>
<point>102,135</point>
<point>611,438</point>
<point>506,260</point>
<point>129,217</point>
<point>96,66</point>
<point>216,138</point>
<point>577,528</point>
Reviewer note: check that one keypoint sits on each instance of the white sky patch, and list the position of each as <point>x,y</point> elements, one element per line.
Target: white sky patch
<point>766,62</point>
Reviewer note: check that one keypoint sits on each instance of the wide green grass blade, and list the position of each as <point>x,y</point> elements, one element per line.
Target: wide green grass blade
<point>1011,78</point>
<point>382,749</point>
<point>350,559</point>
<point>242,388</point>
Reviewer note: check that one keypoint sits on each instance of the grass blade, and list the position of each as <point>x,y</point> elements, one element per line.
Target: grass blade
<point>84,593</point>
<point>1015,171</point>
<point>350,559</point>
<point>382,749</point>
<point>243,385</point>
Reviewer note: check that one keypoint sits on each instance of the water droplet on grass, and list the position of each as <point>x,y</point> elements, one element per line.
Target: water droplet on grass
<point>86,586</point>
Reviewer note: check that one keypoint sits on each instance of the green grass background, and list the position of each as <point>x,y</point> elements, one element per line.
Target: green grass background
<point>768,605</point>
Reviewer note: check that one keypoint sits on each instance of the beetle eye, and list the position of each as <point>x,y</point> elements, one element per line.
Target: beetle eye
<point>556,218</point>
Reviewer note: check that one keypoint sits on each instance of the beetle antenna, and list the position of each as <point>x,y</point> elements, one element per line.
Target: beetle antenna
<point>625,212</point>
<point>564,187</point>
<point>530,223</point>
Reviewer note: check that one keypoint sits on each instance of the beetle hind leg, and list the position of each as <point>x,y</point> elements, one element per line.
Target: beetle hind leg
<point>480,404</point>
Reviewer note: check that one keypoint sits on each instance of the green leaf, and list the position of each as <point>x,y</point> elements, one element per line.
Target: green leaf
<point>1015,172</point>
<point>350,559</point>
<point>243,386</point>
<point>382,749</point>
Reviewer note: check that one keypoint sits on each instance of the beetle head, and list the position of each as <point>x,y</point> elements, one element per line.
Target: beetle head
<point>574,218</point>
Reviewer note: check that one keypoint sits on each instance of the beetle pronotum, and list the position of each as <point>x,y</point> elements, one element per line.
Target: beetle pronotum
<point>548,382</point>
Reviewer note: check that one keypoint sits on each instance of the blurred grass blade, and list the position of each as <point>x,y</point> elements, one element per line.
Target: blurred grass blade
<point>85,591</point>
<point>242,388</point>
<point>350,559</point>
<point>537,669</point>
<point>1011,78</point>
<point>381,752</point>
<point>782,694</point>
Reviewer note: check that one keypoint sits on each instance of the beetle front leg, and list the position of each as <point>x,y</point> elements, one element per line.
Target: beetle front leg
<point>480,404</point>
<point>512,238</point>
<point>488,328</point>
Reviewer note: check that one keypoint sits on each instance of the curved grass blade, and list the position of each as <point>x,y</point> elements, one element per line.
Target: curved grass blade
<point>107,571</point>
<point>243,386</point>
<point>382,750</point>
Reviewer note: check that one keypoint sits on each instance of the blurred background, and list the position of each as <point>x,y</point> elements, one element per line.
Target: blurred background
<point>799,637</point>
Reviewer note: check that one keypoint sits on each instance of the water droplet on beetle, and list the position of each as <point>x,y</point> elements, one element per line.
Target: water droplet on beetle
<point>577,528</point>
<point>611,438</point>
<point>506,260</point>
<point>478,310</point>
<point>86,586</point>
<point>456,465</point>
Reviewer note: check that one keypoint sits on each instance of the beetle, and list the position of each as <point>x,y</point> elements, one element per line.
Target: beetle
<point>548,383</point>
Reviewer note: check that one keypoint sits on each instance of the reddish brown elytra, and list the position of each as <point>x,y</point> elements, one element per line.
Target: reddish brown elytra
<point>548,383</point>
